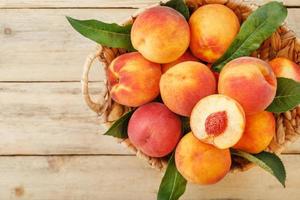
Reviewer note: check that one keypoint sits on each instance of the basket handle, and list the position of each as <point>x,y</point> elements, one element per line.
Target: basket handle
<point>99,108</point>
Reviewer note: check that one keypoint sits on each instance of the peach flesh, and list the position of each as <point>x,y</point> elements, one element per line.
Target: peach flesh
<point>216,123</point>
<point>218,120</point>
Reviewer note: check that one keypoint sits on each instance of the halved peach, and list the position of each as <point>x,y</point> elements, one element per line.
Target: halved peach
<point>218,120</point>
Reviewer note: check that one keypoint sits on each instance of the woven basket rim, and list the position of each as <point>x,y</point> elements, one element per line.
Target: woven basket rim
<point>103,107</point>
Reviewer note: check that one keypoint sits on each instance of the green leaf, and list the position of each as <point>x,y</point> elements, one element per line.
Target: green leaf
<point>173,184</point>
<point>259,26</point>
<point>110,35</point>
<point>268,161</point>
<point>180,6</point>
<point>119,128</point>
<point>287,96</point>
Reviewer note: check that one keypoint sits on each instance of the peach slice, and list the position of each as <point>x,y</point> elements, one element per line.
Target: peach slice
<point>201,163</point>
<point>218,120</point>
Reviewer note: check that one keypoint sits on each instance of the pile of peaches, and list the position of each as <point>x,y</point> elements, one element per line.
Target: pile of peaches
<point>173,64</point>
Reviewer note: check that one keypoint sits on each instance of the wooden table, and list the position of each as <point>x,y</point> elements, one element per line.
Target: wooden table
<point>51,145</point>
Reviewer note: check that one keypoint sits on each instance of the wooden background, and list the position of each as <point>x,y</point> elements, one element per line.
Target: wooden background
<point>51,145</point>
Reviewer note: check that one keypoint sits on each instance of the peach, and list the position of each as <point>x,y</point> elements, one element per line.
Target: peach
<point>259,132</point>
<point>182,86</point>
<point>133,80</point>
<point>187,56</point>
<point>250,81</point>
<point>218,120</point>
<point>213,28</point>
<point>201,163</point>
<point>154,129</point>
<point>160,34</point>
<point>286,68</point>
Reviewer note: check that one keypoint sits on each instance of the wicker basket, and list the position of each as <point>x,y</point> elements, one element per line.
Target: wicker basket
<point>282,43</point>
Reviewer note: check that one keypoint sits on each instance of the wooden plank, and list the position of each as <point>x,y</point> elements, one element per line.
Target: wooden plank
<point>123,177</point>
<point>51,118</point>
<point>39,44</point>
<point>100,3</point>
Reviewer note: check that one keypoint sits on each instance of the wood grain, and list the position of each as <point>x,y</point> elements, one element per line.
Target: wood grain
<point>125,177</point>
<point>51,118</point>
<point>39,44</point>
<point>99,3</point>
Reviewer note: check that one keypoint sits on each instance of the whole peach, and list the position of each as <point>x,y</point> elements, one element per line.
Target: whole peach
<point>286,68</point>
<point>133,80</point>
<point>183,85</point>
<point>250,81</point>
<point>160,34</point>
<point>259,132</point>
<point>213,28</point>
<point>201,163</point>
<point>187,56</point>
<point>154,129</point>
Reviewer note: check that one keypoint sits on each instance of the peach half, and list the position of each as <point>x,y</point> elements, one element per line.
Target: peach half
<point>182,86</point>
<point>160,34</point>
<point>213,28</point>
<point>259,132</point>
<point>201,163</point>
<point>286,68</point>
<point>154,129</point>
<point>218,120</point>
<point>187,56</point>
<point>250,81</point>
<point>133,80</point>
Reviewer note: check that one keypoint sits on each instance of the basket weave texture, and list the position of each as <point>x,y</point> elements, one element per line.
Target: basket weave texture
<point>283,43</point>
